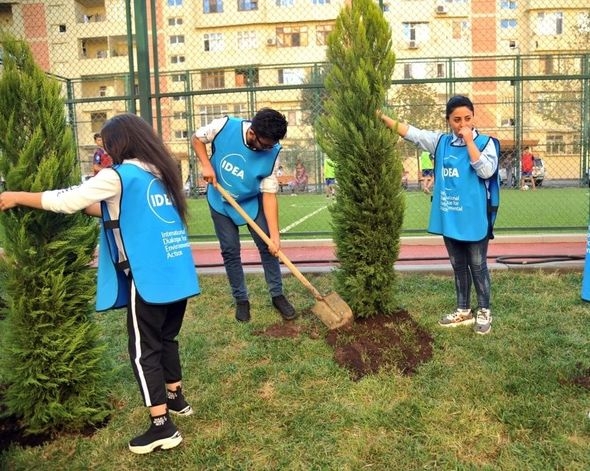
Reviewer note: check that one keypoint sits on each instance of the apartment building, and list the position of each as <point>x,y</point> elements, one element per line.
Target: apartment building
<point>210,57</point>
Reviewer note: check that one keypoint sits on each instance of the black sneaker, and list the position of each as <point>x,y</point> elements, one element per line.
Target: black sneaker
<point>284,307</point>
<point>176,402</point>
<point>243,311</point>
<point>161,434</point>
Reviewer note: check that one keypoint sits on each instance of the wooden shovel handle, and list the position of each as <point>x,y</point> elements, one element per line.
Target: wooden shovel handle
<point>230,199</point>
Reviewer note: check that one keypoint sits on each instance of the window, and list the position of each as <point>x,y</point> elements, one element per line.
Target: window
<point>178,98</point>
<point>555,144</point>
<point>547,67</point>
<point>321,34</point>
<point>441,70</point>
<point>179,77</point>
<point>174,3</point>
<point>285,3</point>
<point>246,77</point>
<point>177,39</point>
<point>212,42</point>
<point>102,90</point>
<point>291,76</point>
<point>507,122</point>
<point>418,32</point>
<point>415,70</point>
<point>213,79</point>
<point>508,5</point>
<point>62,28</point>
<point>177,59</point>
<point>320,2</point>
<point>292,36</point>
<point>508,23</point>
<point>97,120</point>
<point>247,40</point>
<point>576,143</point>
<point>241,110</point>
<point>460,29</point>
<point>583,23</point>
<point>175,21</point>
<point>212,6</point>
<point>183,134</point>
<point>247,5</point>
<point>460,69</point>
<point>549,23</point>
<point>209,112</point>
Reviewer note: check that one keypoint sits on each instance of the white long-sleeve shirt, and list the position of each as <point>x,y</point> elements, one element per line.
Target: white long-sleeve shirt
<point>104,186</point>
<point>427,140</point>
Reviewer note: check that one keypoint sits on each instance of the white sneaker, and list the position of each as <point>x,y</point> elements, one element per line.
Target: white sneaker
<point>483,321</point>
<point>459,317</point>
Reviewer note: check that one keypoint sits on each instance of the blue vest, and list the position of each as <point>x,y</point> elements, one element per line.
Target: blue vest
<point>464,206</point>
<point>239,170</point>
<point>155,243</point>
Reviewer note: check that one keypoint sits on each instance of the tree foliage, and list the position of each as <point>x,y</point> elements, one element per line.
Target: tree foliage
<point>52,358</point>
<point>567,94</point>
<point>416,103</point>
<point>368,213</point>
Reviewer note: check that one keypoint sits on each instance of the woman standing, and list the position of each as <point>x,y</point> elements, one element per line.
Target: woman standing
<point>145,260</point>
<point>464,204</point>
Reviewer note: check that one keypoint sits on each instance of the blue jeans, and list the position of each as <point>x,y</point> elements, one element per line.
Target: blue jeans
<point>469,262</point>
<point>229,240</point>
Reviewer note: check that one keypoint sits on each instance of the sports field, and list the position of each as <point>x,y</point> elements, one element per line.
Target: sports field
<point>307,215</point>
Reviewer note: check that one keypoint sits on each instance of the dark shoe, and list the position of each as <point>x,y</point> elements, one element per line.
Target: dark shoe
<point>284,307</point>
<point>161,434</point>
<point>176,402</point>
<point>243,311</point>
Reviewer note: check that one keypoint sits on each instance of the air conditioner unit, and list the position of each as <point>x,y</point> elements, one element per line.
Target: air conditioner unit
<point>441,9</point>
<point>271,42</point>
<point>413,44</point>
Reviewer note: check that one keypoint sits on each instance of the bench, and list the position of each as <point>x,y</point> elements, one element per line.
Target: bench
<point>284,181</point>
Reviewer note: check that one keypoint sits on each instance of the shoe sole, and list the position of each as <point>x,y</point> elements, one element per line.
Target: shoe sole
<point>457,324</point>
<point>164,444</point>
<point>483,332</point>
<point>188,410</point>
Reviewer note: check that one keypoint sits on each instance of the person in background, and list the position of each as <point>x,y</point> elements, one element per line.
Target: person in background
<point>527,163</point>
<point>299,183</point>
<point>244,156</point>
<point>329,177</point>
<point>427,171</point>
<point>100,159</point>
<point>465,198</point>
<point>135,266</point>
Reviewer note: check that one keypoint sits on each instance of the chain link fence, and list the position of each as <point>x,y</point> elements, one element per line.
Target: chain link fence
<point>182,63</point>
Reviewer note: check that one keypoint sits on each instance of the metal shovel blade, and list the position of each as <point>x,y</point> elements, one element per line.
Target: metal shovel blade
<point>332,311</point>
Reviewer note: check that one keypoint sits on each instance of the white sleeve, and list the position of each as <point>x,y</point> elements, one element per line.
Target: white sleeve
<point>207,133</point>
<point>269,184</point>
<point>103,186</point>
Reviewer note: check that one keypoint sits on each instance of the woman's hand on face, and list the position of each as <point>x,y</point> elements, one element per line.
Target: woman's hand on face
<point>466,134</point>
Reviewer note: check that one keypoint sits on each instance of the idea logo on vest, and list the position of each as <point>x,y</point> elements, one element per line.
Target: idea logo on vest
<point>159,202</point>
<point>232,166</point>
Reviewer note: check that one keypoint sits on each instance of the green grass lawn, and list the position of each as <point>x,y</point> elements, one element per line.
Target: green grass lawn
<point>505,401</point>
<point>307,215</point>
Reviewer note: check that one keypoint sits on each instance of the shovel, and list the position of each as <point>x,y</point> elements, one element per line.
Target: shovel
<point>331,309</point>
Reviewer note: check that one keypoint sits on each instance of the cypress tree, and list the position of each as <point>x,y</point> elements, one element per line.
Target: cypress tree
<point>368,213</point>
<point>52,357</point>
